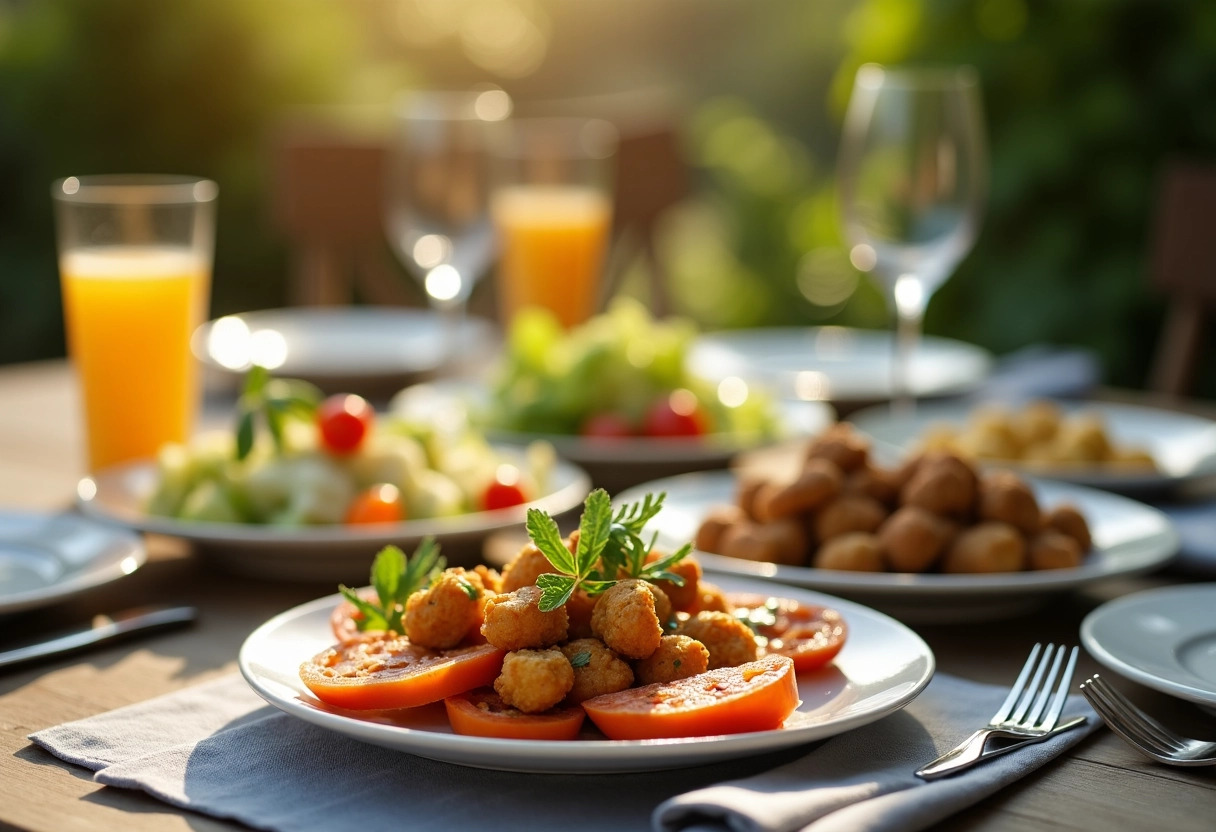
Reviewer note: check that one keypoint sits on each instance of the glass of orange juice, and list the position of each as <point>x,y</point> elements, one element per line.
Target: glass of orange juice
<point>135,267</point>
<point>551,205</point>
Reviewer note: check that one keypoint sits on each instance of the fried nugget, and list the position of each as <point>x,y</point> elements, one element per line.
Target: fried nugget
<point>715,523</point>
<point>848,514</point>
<point>534,680</point>
<point>854,552</point>
<point>597,670</point>
<point>1067,518</point>
<point>842,445</point>
<point>781,541</point>
<point>729,641</point>
<point>513,621</point>
<point>1052,549</point>
<point>1006,497</point>
<point>988,547</point>
<point>625,618</point>
<point>677,657</point>
<point>819,481</point>
<point>913,539</point>
<point>443,614</point>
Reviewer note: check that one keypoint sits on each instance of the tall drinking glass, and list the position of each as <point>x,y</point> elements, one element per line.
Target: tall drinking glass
<point>135,258</point>
<point>912,180</point>
<point>436,194</point>
<point>552,208</point>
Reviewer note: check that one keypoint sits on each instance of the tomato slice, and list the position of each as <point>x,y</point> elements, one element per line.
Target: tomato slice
<point>380,671</point>
<point>756,696</point>
<point>343,421</point>
<point>482,713</point>
<point>381,503</point>
<point>810,635</point>
<point>678,414</point>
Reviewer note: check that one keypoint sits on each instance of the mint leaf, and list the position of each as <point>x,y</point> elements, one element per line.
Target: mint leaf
<point>555,590</point>
<point>544,533</point>
<point>387,571</point>
<point>594,528</point>
<point>581,659</point>
<point>394,578</point>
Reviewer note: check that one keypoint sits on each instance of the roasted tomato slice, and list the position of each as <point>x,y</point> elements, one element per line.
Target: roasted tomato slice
<point>756,696</point>
<point>810,635</point>
<point>384,670</point>
<point>482,713</point>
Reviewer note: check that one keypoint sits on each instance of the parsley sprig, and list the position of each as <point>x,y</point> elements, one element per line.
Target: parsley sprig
<point>578,569</point>
<point>394,578</point>
<point>271,400</point>
<point>610,547</point>
<point>626,553</point>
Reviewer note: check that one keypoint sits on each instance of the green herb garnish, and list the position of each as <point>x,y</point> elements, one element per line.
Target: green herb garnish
<point>581,659</point>
<point>577,569</point>
<point>395,577</point>
<point>626,553</point>
<point>271,400</point>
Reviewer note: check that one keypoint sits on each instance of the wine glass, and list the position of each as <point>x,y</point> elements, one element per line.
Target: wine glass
<point>912,179</point>
<point>436,203</point>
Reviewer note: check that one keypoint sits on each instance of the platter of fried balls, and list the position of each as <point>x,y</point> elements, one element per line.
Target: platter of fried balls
<point>935,512</point>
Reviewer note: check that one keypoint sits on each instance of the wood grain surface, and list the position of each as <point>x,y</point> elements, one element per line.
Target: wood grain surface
<point>1101,785</point>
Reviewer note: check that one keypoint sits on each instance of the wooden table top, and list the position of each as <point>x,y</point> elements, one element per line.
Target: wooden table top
<point>1100,784</point>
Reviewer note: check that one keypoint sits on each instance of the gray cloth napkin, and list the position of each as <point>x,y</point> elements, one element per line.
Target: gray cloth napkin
<point>219,750</point>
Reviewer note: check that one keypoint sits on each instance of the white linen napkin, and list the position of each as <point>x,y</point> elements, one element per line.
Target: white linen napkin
<point>219,750</point>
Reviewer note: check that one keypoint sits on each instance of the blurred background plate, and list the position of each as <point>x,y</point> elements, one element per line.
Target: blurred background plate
<point>1129,538</point>
<point>324,554</point>
<point>355,349</point>
<point>836,364</point>
<point>1183,446</point>
<point>47,557</point>
<point>613,464</point>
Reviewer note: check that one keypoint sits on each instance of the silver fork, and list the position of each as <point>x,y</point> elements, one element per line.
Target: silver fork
<point>1142,732</point>
<point>1025,715</point>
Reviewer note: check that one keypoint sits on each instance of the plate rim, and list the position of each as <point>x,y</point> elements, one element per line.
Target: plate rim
<point>974,352</point>
<point>914,585</point>
<point>479,327</point>
<point>564,499</point>
<point>618,752</point>
<point>132,552</point>
<point>1085,476</point>
<point>1122,666</point>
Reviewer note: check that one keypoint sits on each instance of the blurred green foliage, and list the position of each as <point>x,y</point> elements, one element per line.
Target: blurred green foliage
<point>188,86</point>
<point>1085,102</point>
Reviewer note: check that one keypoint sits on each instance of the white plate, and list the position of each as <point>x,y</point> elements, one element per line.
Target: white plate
<point>616,463</point>
<point>836,363</point>
<point>1129,538</point>
<point>1163,638</point>
<point>336,343</point>
<point>45,558</point>
<point>313,553</point>
<point>1183,446</point>
<point>882,667</point>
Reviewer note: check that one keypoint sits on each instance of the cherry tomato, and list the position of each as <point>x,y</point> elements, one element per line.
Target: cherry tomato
<point>607,425</point>
<point>344,420</point>
<point>379,504</point>
<point>504,490</point>
<point>679,414</point>
<point>384,670</point>
<point>756,696</point>
<point>482,713</point>
<point>810,635</point>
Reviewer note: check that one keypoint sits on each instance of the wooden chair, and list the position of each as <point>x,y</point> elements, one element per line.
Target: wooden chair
<point>327,202</point>
<point>1184,267</point>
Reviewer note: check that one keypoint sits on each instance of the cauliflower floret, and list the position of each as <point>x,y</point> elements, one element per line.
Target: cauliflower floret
<point>513,621</point>
<point>441,615</point>
<point>534,680</point>
<point>729,641</point>
<point>597,670</point>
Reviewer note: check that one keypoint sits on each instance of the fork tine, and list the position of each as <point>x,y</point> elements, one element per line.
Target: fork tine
<point>1032,718</point>
<point>1019,686</point>
<point>1057,705</point>
<point>1028,697</point>
<point>1154,730</point>
<point>1115,723</point>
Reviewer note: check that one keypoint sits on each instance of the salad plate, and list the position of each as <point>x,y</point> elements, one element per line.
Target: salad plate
<point>837,364</point>
<point>330,553</point>
<point>1129,538</point>
<point>1183,447</point>
<point>45,558</point>
<point>1162,638</point>
<point>613,463</point>
<point>882,667</point>
<point>338,345</point>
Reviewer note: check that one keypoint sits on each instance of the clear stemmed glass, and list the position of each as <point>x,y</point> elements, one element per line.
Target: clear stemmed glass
<point>912,179</point>
<point>436,195</point>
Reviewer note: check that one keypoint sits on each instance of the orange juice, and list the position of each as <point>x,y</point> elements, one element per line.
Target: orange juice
<point>130,312</point>
<point>552,241</point>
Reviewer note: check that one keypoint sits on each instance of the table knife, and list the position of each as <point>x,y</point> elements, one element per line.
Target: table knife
<point>102,629</point>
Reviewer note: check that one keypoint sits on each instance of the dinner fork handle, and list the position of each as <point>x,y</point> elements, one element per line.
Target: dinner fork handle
<point>971,750</point>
